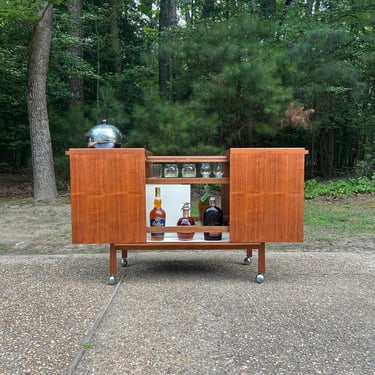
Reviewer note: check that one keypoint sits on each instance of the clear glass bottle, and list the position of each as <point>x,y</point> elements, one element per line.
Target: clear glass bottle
<point>213,216</point>
<point>186,219</point>
<point>157,216</point>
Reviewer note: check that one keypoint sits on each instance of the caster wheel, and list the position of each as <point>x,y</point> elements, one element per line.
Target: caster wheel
<point>124,262</point>
<point>112,280</point>
<point>259,278</point>
<point>247,261</point>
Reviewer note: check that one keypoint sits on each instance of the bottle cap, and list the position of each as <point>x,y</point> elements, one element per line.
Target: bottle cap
<point>186,206</point>
<point>157,191</point>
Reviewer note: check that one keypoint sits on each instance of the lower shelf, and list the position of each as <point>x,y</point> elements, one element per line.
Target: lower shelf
<point>185,245</point>
<point>198,237</point>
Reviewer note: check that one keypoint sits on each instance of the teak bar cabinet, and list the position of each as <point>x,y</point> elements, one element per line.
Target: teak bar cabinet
<point>262,198</point>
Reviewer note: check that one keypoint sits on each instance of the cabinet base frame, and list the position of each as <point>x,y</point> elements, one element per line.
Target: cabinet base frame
<point>249,247</point>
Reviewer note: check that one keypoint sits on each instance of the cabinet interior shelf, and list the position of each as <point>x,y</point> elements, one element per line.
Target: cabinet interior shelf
<point>187,180</point>
<point>188,229</point>
<point>187,159</point>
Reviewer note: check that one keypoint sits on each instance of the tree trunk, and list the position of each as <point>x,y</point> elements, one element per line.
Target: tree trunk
<point>75,15</point>
<point>167,18</point>
<point>41,147</point>
<point>115,37</point>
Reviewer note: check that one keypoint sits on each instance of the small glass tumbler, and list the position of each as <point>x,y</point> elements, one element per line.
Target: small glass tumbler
<point>171,170</point>
<point>189,170</point>
<point>205,170</point>
<point>156,170</point>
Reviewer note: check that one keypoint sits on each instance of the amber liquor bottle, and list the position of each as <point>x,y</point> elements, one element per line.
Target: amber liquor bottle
<point>157,217</point>
<point>186,219</point>
<point>213,216</point>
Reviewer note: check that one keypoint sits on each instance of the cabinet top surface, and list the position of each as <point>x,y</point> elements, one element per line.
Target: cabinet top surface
<point>106,151</point>
<point>145,152</point>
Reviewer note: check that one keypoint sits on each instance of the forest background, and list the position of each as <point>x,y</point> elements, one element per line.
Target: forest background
<point>191,77</point>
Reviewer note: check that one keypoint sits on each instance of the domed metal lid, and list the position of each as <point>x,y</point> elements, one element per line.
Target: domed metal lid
<point>104,136</point>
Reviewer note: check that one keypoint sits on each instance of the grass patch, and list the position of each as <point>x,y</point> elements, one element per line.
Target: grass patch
<point>339,188</point>
<point>344,217</point>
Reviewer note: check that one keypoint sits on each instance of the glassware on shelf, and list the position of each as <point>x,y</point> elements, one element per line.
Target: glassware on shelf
<point>205,170</point>
<point>218,170</point>
<point>156,170</point>
<point>189,170</point>
<point>171,170</point>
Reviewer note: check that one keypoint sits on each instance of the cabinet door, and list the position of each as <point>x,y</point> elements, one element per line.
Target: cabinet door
<point>108,195</point>
<point>267,194</point>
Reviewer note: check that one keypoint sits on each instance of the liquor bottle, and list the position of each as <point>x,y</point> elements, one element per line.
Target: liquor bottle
<point>203,203</point>
<point>213,215</point>
<point>157,216</point>
<point>185,220</point>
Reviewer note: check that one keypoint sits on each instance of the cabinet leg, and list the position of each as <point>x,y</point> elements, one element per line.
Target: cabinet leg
<point>249,255</point>
<point>112,260</point>
<point>249,252</point>
<point>124,256</point>
<point>262,258</point>
<point>124,253</point>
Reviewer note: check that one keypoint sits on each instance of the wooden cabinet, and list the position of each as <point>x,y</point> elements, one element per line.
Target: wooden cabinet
<point>108,195</point>
<point>262,197</point>
<point>266,195</point>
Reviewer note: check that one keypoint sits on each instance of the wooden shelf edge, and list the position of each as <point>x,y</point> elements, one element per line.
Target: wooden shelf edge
<point>188,229</point>
<point>186,180</point>
<point>188,245</point>
<point>187,159</point>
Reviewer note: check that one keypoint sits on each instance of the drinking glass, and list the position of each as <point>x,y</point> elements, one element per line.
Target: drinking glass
<point>205,170</point>
<point>171,170</point>
<point>189,170</point>
<point>218,170</point>
<point>157,170</point>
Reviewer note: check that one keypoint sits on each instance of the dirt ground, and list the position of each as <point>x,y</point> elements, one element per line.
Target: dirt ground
<point>27,227</point>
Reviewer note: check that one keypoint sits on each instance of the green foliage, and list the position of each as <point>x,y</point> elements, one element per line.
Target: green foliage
<point>233,77</point>
<point>109,107</point>
<point>165,128</point>
<point>62,171</point>
<point>331,48</point>
<point>88,345</point>
<point>366,167</point>
<point>15,10</point>
<point>344,187</point>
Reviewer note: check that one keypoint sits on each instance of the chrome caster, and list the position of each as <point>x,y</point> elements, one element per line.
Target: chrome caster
<point>124,262</point>
<point>247,261</point>
<point>112,280</point>
<point>259,278</point>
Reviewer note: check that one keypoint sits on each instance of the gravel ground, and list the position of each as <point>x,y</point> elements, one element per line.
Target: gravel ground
<point>188,313</point>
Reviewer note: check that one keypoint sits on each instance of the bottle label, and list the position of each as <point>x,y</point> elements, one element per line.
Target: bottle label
<point>205,197</point>
<point>185,221</point>
<point>157,222</point>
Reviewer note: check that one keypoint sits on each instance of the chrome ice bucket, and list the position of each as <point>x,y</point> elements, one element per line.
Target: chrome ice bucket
<point>104,136</point>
